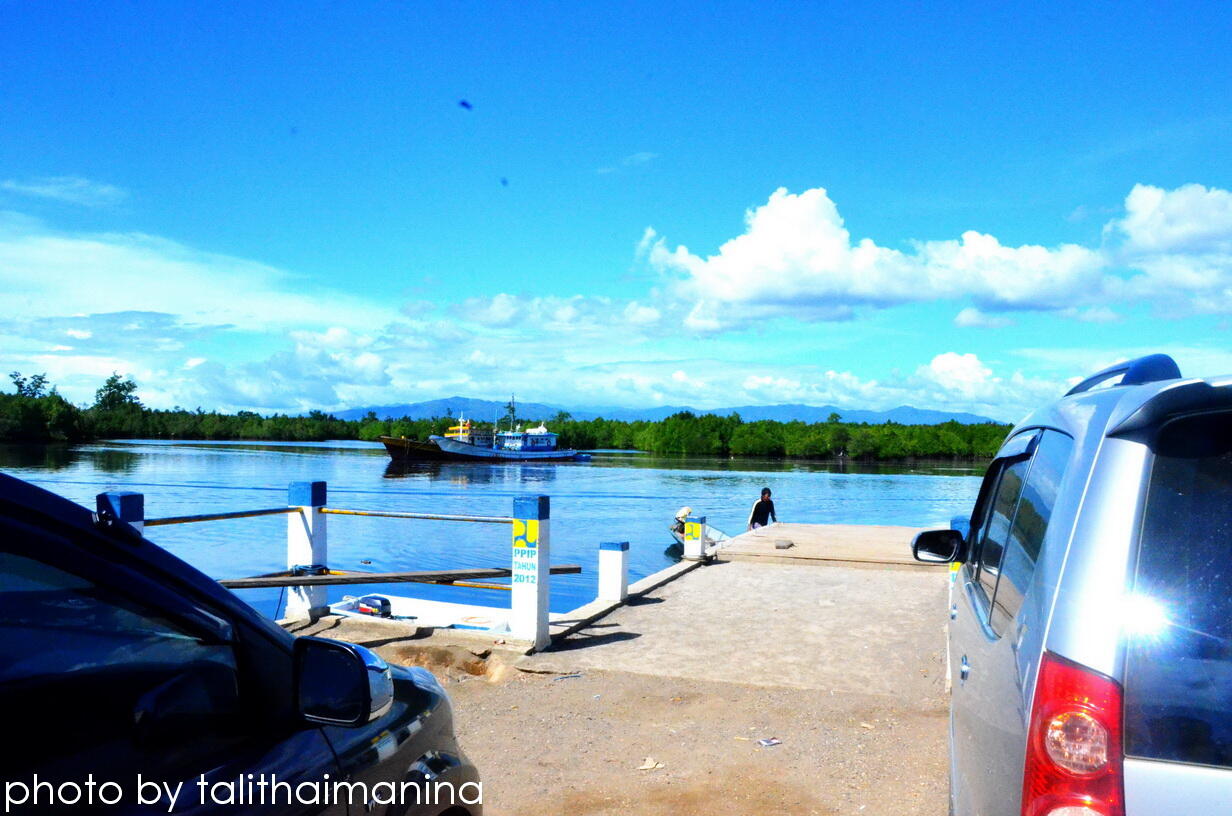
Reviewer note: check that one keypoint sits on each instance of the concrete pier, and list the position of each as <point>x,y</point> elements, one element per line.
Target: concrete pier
<point>851,544</point>
<point>834,647</point>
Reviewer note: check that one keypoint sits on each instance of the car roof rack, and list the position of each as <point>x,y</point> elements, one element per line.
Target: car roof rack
<point>1148,369</point>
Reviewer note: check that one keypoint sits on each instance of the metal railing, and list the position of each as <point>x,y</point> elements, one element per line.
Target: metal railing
<point>238,514</point>
<point>308,575</point>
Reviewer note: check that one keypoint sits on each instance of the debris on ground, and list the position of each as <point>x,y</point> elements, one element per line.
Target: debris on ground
<point>650,765</point>
<point>769,742</point>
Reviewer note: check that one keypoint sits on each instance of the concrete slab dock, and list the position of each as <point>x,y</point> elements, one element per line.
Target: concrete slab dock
<point>842,665</point>
<point>837,651</point>
<point>841,543</point>
<point>836,628</point>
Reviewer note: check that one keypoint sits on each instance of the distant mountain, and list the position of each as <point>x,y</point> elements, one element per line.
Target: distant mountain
<point>479,410</point>
<point>484,410</point>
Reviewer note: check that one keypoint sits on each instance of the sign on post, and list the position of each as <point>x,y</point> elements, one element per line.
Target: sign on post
<point>531,561</point>
<point>694,538</point>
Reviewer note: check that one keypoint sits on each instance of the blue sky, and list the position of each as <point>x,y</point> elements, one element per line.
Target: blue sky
<point>284,206</point>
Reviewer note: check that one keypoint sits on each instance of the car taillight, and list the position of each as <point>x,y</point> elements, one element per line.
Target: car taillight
<point>1074,747</point>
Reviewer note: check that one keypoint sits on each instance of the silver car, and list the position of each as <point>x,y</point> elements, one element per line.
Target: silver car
<point>1091,616</point>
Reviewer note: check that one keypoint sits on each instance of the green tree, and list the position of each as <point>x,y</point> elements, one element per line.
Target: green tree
<point>116,393</point>
<point>34,387</point>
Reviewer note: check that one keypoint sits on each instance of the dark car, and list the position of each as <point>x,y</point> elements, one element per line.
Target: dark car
<point>129,679</point>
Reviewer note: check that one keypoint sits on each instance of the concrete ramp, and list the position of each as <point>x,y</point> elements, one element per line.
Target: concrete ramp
<point>844,543</point>
<point>835,629</point>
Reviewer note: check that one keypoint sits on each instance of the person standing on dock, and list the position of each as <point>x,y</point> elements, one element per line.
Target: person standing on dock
<point>763,511</point>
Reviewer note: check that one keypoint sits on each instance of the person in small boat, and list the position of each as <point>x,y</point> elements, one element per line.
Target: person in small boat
<point>763,511</point>
<point>681,514</point>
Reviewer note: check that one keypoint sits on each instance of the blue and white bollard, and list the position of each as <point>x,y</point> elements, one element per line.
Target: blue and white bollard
<point>613,570</point>
<point>694,538</point>
<point>307,546</point>
<point>532,549</point>
<point>124,505</point>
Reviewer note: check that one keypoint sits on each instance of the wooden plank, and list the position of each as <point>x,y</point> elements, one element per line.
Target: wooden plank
<point>421,577</point>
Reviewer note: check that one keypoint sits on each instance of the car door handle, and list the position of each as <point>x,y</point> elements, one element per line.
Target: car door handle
<point>964,670</point>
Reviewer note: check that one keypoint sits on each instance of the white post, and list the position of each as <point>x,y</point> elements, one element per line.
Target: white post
<point>124,506</point>
<point>307,546</point>
<point>694,538</point>
<point>532,549</point>
<point>613,570</point>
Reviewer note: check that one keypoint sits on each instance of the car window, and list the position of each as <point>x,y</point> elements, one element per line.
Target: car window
<point>1030,522</point>
<point>996,529</point>
<point>117,685</point>
<point>1178,676</point>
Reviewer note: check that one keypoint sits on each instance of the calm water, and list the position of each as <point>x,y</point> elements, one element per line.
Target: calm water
<point>624,497</point>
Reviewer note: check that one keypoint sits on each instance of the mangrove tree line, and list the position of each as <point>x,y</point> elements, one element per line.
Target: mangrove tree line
<point>36,412</point>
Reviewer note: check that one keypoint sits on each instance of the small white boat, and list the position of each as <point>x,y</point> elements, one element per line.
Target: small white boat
<point>711,536</point>
<point>423,613</point>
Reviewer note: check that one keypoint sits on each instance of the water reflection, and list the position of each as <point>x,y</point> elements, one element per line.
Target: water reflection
<point>49,457</point>
<point>463,474</point>
<point>731,463</point>
<point>113,460</point>
<point>483,473</point>
<point>62,457</point>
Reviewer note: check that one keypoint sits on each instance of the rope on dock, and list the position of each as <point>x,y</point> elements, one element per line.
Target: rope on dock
<point>271,511</point>
<point>424,516</point>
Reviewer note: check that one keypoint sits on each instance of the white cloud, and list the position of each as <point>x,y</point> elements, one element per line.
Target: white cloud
<point>335,338</point>
<point>576,315</point>
<point>1191,218</point>
<point>1092,314</point>
<point>200,328</point>
<point>643,157</point>
<point>69,189</point>
<point>1026,277</point>
<point>972,317</point>
<point>1182,241</point>
<point>960,373</point>
<point>796,258</point>
<point>632,160</point>
<point>948,381</point>
<point>1194,360</point>
<point>639,315</point>
<point>47,273</point>
<point>499,310</point>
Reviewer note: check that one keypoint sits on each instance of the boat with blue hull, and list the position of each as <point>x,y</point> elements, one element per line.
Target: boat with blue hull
<point>466,443</point>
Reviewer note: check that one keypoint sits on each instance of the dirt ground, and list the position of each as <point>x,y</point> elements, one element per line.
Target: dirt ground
<point>551,745</point>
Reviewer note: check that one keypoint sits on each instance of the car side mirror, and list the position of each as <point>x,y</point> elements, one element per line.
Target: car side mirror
<point>937,546</point>
<point>341,683</point>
